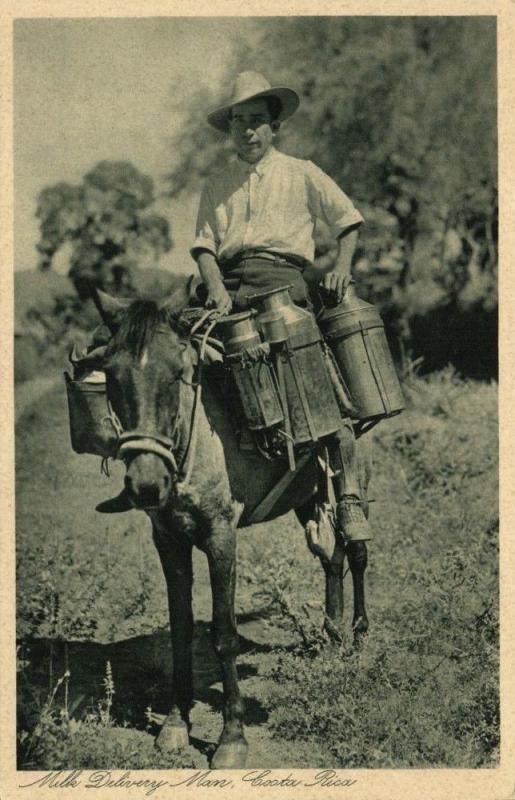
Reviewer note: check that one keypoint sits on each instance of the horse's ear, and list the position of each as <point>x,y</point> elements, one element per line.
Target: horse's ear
<point>181,296</point>
<point>111,309</point>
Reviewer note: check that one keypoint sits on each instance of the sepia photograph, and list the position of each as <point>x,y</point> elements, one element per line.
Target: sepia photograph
<point>256,399</point>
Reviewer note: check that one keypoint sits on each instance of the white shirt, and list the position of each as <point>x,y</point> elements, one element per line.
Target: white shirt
<point>271,205</point>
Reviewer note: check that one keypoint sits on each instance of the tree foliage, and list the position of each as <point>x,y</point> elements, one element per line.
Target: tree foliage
<point>106,218</point>
<point>401,112</point>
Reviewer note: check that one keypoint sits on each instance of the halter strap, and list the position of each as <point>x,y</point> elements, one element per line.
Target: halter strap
<point>162,445</point>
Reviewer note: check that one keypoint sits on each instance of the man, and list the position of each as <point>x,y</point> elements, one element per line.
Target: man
<point>255,231</point>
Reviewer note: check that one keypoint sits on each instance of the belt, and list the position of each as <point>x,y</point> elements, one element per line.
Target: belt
<point>283,259</point>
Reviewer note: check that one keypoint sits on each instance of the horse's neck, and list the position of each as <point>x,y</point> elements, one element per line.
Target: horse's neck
<point>216,421</point>
<point>248,477</point>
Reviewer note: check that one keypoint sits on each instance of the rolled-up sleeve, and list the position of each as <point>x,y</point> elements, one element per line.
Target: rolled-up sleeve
<point>205,232</point>
<point>328,203</point>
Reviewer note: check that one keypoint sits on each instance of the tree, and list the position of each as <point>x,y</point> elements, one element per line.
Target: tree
<point>401,112</point>
<point>108,222</point>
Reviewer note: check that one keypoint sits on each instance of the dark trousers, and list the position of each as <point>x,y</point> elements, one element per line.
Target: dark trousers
<point>254,275</point>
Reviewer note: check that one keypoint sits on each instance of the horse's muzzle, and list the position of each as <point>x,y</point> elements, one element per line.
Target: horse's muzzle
<point>148,481</point>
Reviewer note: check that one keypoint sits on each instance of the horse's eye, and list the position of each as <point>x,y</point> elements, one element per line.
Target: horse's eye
<point>111,383</point>
<point>112,379</point>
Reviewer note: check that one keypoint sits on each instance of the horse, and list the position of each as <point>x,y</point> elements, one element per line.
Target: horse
<point>151,367</point>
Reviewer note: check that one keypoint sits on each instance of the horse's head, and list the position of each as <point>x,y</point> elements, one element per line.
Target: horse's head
<point>147,364</point>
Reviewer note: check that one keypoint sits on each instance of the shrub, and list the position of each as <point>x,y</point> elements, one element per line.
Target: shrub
<point>58,741</point>
<point>424,689</point>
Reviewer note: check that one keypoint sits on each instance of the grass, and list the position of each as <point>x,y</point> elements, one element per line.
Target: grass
<point>423,691</point>
<point>58,740</point>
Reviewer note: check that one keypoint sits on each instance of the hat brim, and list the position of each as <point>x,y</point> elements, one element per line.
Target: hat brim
<point>289,99</point>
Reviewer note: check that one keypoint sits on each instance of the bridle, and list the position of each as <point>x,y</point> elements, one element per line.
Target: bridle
<point>179,459</point>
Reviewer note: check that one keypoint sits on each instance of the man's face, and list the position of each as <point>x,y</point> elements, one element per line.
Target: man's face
<point>251,129</point>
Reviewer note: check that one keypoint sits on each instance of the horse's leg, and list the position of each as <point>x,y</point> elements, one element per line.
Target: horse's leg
<point>176,559</point>
<point>334,591</point>
<point>220,548</point>
<point>357,555</point>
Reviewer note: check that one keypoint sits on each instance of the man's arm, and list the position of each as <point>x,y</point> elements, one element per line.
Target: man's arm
<point>217,295</point>
<point>329,203</point>
<point>339,277</point>
<point>203,251</point>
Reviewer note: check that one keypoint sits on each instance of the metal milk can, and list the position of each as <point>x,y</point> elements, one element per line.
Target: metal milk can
<point>304,382</point>
<point>247,359</point>
<point>355,333</point>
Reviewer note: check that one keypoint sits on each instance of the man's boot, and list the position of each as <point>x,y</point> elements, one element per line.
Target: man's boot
<point>350,504</point>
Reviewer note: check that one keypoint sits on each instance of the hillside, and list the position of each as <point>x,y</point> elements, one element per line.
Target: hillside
<point>49,319</point>
<point>40,289</point>
<point>422,693</point>
<point>34,288</point>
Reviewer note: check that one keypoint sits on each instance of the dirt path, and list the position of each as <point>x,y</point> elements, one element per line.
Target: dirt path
<point>48,468</point>
<point>261,641</point>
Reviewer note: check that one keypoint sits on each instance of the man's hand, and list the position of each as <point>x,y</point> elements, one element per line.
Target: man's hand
<point>218,297</point>
<point>334,285</point>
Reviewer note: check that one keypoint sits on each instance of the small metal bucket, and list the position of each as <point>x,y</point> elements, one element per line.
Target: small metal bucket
<point>91,430</point>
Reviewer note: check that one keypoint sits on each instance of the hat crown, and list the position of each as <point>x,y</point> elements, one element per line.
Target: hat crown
<point>247,84</point>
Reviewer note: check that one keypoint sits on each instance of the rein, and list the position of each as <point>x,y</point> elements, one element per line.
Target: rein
<point>159,444</point>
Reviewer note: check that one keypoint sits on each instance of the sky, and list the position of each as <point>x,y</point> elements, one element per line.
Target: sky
<point>117,89</point>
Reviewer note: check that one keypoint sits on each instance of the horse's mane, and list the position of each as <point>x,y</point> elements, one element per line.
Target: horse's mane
<point>139,325</point>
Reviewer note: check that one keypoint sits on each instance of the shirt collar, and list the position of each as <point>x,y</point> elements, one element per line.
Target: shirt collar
<point>261,165</point>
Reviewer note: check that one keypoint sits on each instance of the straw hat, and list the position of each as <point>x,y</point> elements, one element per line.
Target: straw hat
<point>252,86</point>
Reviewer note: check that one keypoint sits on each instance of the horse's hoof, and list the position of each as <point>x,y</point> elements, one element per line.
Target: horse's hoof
<point>334,631</point>
<point>360,634</point>
<point>230,756</point>
<point>173,736</point>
